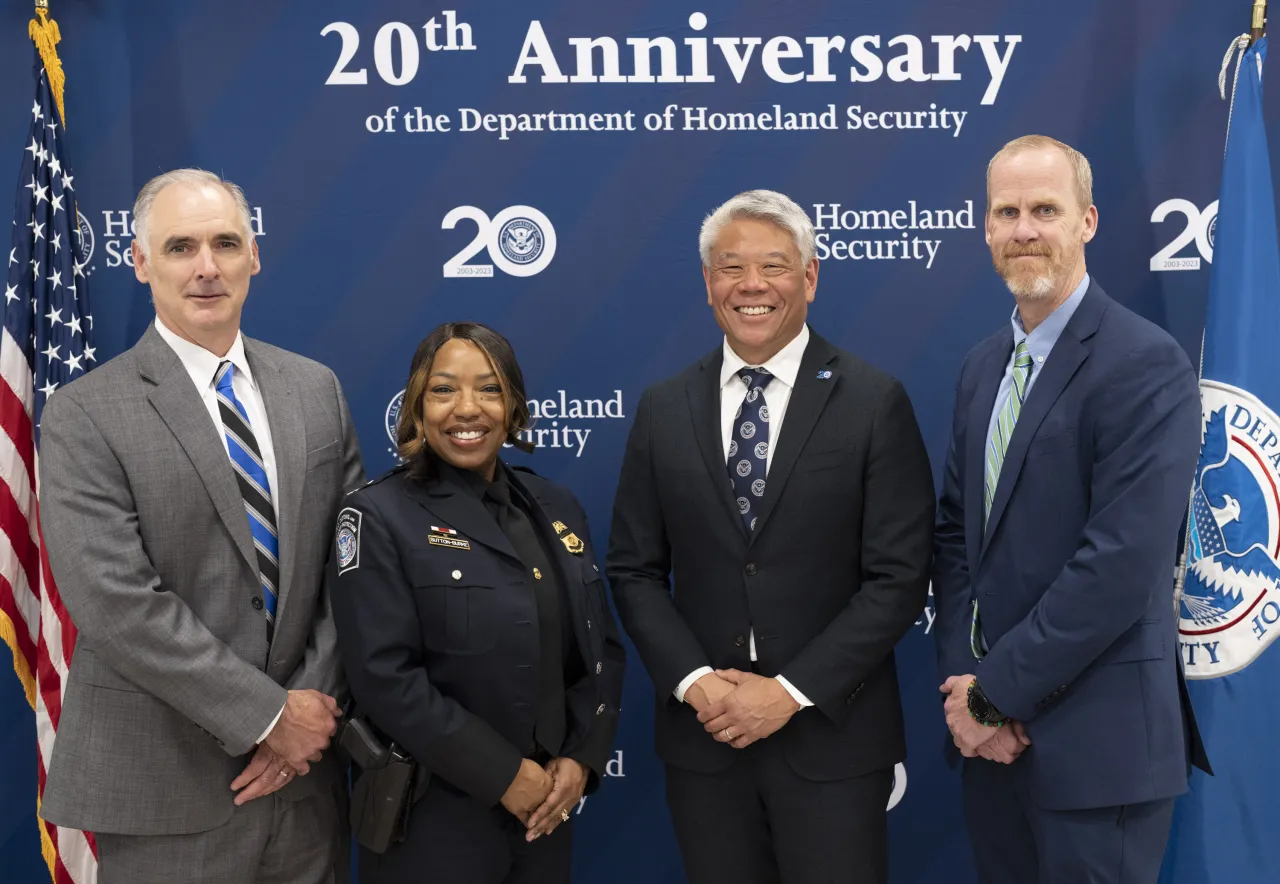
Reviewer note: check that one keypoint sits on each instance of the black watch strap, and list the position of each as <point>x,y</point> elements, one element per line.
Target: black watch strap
<point>983,710</point>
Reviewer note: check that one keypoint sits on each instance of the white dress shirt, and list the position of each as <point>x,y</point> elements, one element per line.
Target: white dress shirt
<point>202,366</point>
<point>784,366</point>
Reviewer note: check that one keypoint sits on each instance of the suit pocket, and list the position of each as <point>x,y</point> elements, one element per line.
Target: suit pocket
<point>830,459</point>
<point>597,606</point>
<point>323,455</point>
<point>90,669</point>
<point>1041,446</point>
<point>457,619</point>
<point>1142,641</point>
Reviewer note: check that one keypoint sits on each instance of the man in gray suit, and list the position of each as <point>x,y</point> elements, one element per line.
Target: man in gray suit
<point>189,490</point>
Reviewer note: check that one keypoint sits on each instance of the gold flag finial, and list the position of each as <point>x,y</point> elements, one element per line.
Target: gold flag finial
<point>1259,21</point>
<point>45,34</point>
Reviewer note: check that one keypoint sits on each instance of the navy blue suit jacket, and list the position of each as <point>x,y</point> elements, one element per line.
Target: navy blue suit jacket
<point>1074,572</point>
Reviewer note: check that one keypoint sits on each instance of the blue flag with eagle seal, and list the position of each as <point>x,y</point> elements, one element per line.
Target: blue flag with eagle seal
<point>1229,610</point>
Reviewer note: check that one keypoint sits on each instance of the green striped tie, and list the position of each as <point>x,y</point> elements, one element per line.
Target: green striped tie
<point>995,460</point>
<point>1005,423</point>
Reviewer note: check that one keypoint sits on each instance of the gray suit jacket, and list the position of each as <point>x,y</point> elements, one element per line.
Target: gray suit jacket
<point>171,682</point>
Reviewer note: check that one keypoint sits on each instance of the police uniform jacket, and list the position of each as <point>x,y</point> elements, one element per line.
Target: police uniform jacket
<point>438,626</point>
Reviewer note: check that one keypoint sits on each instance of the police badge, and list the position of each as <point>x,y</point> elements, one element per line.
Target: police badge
<point>573,544</point>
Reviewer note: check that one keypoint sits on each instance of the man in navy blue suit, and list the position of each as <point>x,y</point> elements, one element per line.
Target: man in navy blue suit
<point>1075,436</point>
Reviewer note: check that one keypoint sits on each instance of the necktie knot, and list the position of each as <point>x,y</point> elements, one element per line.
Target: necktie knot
<point>1021,355</point>
<point>222,380</point>
<point>499,492</point>
<point>756,378</point>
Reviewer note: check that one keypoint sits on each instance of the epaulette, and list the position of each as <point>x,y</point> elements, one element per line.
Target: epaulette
<point>399,468</point>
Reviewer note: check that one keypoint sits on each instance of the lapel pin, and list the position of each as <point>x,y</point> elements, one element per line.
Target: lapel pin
<point>824,375</point>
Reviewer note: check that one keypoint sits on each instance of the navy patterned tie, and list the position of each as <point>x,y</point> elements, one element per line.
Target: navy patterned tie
<point>749,445</point>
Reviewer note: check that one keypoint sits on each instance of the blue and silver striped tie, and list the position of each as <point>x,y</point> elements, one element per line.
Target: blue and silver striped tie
<point>251,476</point>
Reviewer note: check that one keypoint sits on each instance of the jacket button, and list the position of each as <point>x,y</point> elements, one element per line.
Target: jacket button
<point>739,640</point>
<point>257,603</point>
<point>600,709</point>
<point>598,668</point>
<point>751,569</point>
<point>588,624</point>
<point>457,575</point>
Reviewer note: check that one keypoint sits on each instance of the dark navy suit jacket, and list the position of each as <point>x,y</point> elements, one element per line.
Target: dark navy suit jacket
<point>1074,572</point>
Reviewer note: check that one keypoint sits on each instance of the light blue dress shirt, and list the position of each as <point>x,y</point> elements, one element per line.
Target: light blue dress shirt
<point>1039,344</point>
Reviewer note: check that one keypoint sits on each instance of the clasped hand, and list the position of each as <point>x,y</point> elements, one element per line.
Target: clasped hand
<point>974,740</point>
<point>541,798</point>
<point>308,722</point>
<point>739,708</point>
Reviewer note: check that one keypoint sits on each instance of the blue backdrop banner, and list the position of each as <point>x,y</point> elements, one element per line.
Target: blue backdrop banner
<point>543,167</point>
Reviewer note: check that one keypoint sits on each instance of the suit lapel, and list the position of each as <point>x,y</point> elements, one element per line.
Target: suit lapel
<point>289,444</point>
<point>179,405</point>
<point>1068,354</point>
<point>808,399</point>
<point>990,372</point>
<point>704,410</point>
<point>453,506</point>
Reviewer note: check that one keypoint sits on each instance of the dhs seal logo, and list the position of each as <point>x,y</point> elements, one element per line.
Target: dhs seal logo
<point>84,238</point>
<point>347,539</point>
<point>390,419</point>
<point>1230,605</point>
<point>520,240</point>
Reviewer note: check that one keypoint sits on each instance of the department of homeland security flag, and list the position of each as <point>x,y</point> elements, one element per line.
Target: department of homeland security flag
<point>1225,829</point>
<point>46,342</point>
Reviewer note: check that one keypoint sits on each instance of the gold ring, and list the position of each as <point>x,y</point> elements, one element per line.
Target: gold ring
<point>564,815</point>
<point>726,734</point>
<point>284,771</point>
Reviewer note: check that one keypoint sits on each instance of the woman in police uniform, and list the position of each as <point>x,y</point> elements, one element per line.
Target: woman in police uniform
<point>473,627</point>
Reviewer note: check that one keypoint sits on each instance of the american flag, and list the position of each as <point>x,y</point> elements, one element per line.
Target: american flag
<point>47,342</point>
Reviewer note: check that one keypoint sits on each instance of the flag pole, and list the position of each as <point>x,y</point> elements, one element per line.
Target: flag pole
<point>1259,21</point>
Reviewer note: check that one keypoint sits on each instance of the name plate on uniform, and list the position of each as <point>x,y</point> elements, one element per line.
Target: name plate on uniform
<point>451,542</point>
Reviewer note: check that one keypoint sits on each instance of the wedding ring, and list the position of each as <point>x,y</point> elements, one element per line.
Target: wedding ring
<point>284,771</point>
<point>726,734</point>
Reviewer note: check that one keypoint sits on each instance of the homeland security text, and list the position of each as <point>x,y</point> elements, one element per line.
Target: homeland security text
<point>672,118</point>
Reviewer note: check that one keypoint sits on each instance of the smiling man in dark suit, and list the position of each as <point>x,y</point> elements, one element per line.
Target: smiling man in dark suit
<point>785,485</point>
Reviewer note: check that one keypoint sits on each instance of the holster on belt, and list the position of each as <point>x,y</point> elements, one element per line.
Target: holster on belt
<point>387,785</point>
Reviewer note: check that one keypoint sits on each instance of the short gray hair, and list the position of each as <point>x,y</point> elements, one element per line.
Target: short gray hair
<point>1080,168</point>
<point>760,205</point>
<point>196,177</point>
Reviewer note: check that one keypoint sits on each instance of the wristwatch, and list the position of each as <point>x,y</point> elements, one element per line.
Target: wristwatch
<point>983,710</point>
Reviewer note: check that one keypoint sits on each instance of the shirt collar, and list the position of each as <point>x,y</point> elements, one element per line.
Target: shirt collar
<point>201,364</point>
<point>1046,334</point>
<point>783,365</point>
<point>470,479</point>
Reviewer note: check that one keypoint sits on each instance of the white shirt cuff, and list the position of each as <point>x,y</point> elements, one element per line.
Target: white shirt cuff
<point>276,720</point>
<point>791,689</point>
<point>689,680</point>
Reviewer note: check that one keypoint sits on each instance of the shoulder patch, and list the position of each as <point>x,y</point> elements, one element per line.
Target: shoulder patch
<point>347,539</point>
